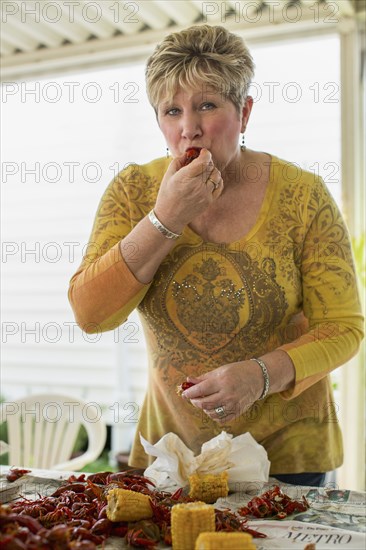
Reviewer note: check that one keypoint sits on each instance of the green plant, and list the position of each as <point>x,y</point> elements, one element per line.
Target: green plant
<point>100,465</point>
<point>81,442</point>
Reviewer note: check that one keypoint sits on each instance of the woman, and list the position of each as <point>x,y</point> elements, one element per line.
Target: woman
<point>239,264</point>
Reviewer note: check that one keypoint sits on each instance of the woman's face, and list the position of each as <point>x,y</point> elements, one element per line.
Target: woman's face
<point>202,119</point>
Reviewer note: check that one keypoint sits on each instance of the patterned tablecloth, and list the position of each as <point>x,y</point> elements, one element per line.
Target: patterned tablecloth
<point>336,518</point>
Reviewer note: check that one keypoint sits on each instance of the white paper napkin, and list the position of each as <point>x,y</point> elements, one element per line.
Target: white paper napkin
<point>242,457</point>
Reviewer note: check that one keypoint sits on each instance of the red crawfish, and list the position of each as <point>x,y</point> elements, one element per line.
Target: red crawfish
<point>144,534</point>
<point>191,154</point>
<point>184,386</point>
<point>273,503</point>
<point>16,473</point>
<point>225,520</point>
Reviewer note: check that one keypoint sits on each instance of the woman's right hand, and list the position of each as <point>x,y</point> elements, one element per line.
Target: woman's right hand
<point>185,192</point>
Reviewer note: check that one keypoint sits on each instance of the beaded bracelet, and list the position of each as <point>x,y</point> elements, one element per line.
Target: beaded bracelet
<point>160,227</point>
<point>265,376</point>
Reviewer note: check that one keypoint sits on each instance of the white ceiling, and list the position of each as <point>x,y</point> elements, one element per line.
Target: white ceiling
<point>48,32</point>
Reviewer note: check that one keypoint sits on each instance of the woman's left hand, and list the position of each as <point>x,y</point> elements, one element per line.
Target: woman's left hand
<point>233,388</point>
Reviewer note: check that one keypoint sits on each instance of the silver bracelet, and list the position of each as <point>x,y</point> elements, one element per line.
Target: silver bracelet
<point>265,376</point>
<point>160,227</point>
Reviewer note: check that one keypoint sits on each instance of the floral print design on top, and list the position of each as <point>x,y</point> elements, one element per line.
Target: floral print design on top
<point>128,198</point>
<point>328,240</point>
<point>320,227</point>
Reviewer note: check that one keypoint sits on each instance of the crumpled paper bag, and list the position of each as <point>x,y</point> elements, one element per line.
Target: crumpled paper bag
<point>242,457</point>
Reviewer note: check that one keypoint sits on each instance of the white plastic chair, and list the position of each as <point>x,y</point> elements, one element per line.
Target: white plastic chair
<point>42,430</point>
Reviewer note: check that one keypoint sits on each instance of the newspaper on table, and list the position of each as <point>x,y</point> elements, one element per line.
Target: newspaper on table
<point>336,518</point>
<point>37,482</point>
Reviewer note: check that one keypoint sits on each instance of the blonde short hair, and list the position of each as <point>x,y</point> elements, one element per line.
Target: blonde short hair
<point>200,55</point>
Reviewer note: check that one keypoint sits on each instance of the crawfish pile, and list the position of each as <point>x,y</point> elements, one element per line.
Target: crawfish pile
<point>273,503</point>
<point>74,516</point>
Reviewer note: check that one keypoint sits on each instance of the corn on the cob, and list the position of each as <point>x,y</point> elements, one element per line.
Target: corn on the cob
<point>208,488</point>
<point>125,505</point>
<point>188,521</point>
<point>224,541</point>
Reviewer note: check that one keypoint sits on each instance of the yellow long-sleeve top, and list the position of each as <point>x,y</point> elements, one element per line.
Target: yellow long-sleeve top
<point>288,284</point>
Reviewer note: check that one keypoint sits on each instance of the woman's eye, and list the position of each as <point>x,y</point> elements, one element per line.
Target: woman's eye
<point>173,111</point>
<point>207,106</point>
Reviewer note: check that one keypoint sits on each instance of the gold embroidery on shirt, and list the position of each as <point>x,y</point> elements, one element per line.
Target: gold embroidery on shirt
<point>214,305</point>
<point>208,305</point>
